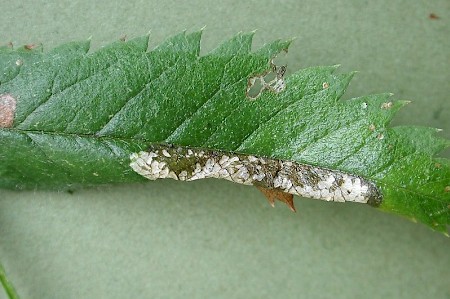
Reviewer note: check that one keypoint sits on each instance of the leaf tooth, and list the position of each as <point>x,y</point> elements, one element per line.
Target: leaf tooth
<point>423,139</point>
<point>343,82</point>
<point>139,43</point>
<point>380,107</point>
<point>272,49</point>
<point>193,40</point>
<point>298,80</point>
<point>241,43</point>
<point>392,111</point>
<point>181,43</point>
<point>332,68</point>
<point>78,47</point>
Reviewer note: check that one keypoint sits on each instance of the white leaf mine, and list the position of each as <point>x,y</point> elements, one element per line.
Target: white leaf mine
<point>189,164</point>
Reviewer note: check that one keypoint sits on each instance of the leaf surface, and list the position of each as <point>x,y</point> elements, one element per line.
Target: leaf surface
<point>79,115</point>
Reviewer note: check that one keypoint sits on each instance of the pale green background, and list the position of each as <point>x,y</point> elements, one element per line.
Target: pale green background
<point>214,239</point>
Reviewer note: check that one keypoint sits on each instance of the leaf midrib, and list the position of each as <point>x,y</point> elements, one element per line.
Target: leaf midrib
<point>147,142</point>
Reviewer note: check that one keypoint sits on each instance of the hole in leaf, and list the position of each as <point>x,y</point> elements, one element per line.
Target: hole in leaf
<point>255,87</point>
<point>272,80</point>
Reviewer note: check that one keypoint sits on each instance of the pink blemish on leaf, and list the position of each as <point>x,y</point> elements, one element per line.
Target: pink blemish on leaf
<point>7,110</point>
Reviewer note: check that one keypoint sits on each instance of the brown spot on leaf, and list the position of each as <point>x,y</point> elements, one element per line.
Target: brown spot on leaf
<point>433,16</point>
<point>7,110</point>
<point>30,46</point>
<point>272,194</point>
<point>447,189</point>
<point>325,85</point>
<point>372,127</point>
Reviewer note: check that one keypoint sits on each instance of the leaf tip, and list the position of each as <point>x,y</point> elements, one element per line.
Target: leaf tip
<point>349,77</point>
<point>250,34</point>
<point>402,102</point>
<point>288,43</point>
<point>335,66</point>
<point>293,38</point>
<point>405,102</point>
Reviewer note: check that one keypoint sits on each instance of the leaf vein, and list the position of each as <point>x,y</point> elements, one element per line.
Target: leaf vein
<point>273,115</point>
<point>53,95</point>
<point>218,89</point>
<point>138,92</point>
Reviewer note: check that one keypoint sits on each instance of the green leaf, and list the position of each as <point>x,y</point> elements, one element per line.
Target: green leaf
<point>7,286</point>
<point>77,117</point>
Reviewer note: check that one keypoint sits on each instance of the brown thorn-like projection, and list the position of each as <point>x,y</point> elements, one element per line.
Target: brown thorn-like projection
<point>272,194</point>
